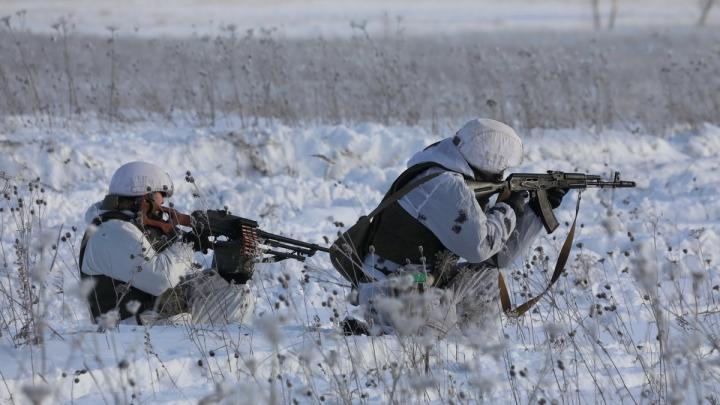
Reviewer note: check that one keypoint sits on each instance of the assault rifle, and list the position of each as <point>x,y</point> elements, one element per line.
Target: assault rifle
<point>537,185</point>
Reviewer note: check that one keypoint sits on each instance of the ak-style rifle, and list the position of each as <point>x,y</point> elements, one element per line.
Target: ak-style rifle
<point>537,185</point>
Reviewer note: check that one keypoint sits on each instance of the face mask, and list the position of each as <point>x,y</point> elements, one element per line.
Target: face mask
<point>481,175</point>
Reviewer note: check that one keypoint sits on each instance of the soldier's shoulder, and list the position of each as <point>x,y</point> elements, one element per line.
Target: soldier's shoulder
<point>120,227</point>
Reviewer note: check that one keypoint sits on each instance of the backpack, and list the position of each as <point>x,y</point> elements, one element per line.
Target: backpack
<point>349,249</point>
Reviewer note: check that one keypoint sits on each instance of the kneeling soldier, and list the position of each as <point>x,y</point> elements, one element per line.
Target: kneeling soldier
<point>140,264</point>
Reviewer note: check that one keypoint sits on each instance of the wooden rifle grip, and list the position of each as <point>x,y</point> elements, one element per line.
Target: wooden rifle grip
<point>504,194</point>
<point>178,218</point>
<point>148,207</point>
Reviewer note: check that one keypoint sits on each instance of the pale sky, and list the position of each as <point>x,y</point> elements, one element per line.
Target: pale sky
<point>331,18</point>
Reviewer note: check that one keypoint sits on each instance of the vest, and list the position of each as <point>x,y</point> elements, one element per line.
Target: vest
<point>397,236</point>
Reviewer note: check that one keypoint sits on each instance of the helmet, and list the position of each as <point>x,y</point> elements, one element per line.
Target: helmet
<point>135,179</point>
<point>489,145</point>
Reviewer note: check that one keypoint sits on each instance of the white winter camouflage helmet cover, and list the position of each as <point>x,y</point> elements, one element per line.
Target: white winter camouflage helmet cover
<point>135,179</point>
<point>489,145</point>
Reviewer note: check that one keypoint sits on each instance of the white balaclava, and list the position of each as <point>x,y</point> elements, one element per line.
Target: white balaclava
<point>489,145</point>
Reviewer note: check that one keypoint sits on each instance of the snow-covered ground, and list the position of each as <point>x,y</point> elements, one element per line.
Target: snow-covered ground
<point>294,18</point>
<point>634,321</point>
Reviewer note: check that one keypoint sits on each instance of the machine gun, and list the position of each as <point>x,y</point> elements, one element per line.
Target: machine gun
<point>537,185</point>
<point>239,243</point>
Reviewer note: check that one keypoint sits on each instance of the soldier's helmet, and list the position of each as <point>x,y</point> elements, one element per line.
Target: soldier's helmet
<point>488,145</point>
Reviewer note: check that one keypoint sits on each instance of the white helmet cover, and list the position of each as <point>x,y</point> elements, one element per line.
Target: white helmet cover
<point>135,179</point>
<point>489,145</point>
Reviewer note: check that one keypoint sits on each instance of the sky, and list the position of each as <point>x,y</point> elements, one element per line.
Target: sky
<point>295,18</point>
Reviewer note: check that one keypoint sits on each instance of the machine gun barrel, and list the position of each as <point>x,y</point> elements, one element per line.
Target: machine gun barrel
<point>303,248</point>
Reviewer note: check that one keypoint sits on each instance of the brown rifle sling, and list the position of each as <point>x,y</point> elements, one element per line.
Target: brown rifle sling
<point>520,310</point>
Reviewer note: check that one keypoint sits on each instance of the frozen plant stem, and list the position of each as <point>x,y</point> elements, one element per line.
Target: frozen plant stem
<point>112,93</point>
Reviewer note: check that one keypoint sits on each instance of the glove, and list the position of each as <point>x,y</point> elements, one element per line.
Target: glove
<point>200,223</point>
<point>200,243</point>
<point>555,197</point>
<point>200,232</point>
<point>516,201</point>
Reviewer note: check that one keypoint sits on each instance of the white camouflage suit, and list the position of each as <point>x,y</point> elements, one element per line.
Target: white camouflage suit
<point>448,208</point>
<point>119,250</point>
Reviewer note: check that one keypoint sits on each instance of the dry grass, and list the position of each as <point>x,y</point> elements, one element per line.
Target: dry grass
<point>635,80</point>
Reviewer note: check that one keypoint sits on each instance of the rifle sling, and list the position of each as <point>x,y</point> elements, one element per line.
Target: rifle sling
<point>401,193</point>
<point>521,309</point>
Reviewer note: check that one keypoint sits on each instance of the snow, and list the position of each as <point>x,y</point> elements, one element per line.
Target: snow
<point>299,181</point>
<point>292,18</point>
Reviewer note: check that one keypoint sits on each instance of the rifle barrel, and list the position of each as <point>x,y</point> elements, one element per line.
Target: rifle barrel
<point>282,245</point>
<point>277,256</point>
<point>613,184</point>
<point>294,242</point>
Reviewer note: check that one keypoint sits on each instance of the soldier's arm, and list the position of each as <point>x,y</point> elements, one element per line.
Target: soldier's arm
<point>120,251</point>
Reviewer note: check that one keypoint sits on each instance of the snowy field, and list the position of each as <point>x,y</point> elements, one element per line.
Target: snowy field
<point>635,320</point>
<point>302,123</point>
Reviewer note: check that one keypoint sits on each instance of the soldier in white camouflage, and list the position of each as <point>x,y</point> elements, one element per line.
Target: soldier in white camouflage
<point>144,274</point>
<point>440,229</point>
